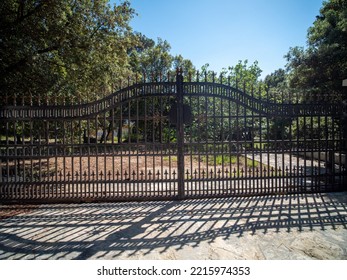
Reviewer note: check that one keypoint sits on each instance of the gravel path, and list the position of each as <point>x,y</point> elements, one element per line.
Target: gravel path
<point>281,160</point>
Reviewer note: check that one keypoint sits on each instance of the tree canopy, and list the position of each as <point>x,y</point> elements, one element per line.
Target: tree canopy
<point>322,66</point>
<point>82,49</point>
<point>70,48</point>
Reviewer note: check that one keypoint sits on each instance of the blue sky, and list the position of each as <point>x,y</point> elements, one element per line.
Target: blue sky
<point>222,32</point>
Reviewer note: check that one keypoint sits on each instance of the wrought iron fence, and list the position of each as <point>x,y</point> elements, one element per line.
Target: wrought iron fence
<point>172,140</point>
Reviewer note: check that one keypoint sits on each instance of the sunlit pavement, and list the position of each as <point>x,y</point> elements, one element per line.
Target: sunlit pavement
<point>310,226</point>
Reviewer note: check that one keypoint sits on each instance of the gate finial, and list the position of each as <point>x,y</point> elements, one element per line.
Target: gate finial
<point>179,71</point>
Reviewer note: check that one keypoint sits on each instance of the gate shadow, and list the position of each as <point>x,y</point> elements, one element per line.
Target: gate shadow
<point>113,230</point>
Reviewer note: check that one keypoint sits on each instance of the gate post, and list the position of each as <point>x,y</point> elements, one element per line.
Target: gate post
<point>344,133</point>
<point>180,135</point>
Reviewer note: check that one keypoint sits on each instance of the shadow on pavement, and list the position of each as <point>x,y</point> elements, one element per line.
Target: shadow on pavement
<point>85,231</point>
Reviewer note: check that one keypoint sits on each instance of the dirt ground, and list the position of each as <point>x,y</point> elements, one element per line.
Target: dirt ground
<point>138,167</point>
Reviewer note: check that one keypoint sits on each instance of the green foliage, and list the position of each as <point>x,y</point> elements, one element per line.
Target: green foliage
<point>277,86</point>
<point>186,65</point>
<point>154,60</point>
<point>79,50</point>
<point>67,51</point>
<point>276,79</point>
<point>317,70</point>
<point>252,163</point>
<point>323,65</point>
<point>245,76</point>
<point>67,48</point>
<point>279,128</point>
<point>242,76</point>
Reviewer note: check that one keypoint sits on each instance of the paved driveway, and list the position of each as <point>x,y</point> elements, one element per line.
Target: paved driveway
<point>270,227</point>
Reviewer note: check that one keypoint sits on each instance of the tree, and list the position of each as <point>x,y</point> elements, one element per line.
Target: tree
<point>276,79</point>
<point>322,66</point>
<point>242,74</point>
<point>186,65</point>
<point>136,53</point>
<point>151,59</point>
<point>66,49</point>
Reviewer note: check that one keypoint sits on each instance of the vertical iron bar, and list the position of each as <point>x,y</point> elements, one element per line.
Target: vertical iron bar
<point>318,182</point>
<point>268,185</point>
<point>64,158</point>
<point>343,148</point>
<point>132,192</point>
<point>161,186</point>
<point>326,151</point>
<point>214,148</point>
<point>230,147</point>
<point>190,150</point>
<point>55,178</point>
<point>144,192</point>
<point>206,151</point>
<point>313,149</point>
<point>89,171</point>
<point>154,144</point>
<point>198,144</point>
<point>72,157</point>
<point>104,134</point>
<point>238,148</point>
<point>303,171</point>
<point>261,145</point>
<point>221,139</point>
<point>244,136</point>
<point>22,154</point>
<point>121,147</point>
<point>96,156</point>
<point>252,179</point>
<point>138,150</point>
<point>113,153</point>
<point>180,136</point>
<point>33,190</point>
<point>332,155</point>
<point>298,149</point>
<point>81,155</point>
<point>288,169</point>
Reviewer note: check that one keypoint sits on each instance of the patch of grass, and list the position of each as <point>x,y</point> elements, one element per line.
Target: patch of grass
<point>227,159</point>
<point>168,158</point>
<point>252,163</point>
<point>219,159</point>
<point>3,138</point>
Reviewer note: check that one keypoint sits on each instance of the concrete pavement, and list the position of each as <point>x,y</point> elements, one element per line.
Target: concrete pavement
<point>310,226</point>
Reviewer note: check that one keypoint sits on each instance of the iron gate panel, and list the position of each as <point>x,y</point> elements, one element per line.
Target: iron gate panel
<point>171,140</point>
<point>113,149</point>
<point>231,148</point>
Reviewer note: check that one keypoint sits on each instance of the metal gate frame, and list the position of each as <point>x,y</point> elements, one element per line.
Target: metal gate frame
<point>183,139</point>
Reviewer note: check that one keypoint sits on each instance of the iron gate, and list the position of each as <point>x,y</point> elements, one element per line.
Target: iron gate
<point>172,140</point>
